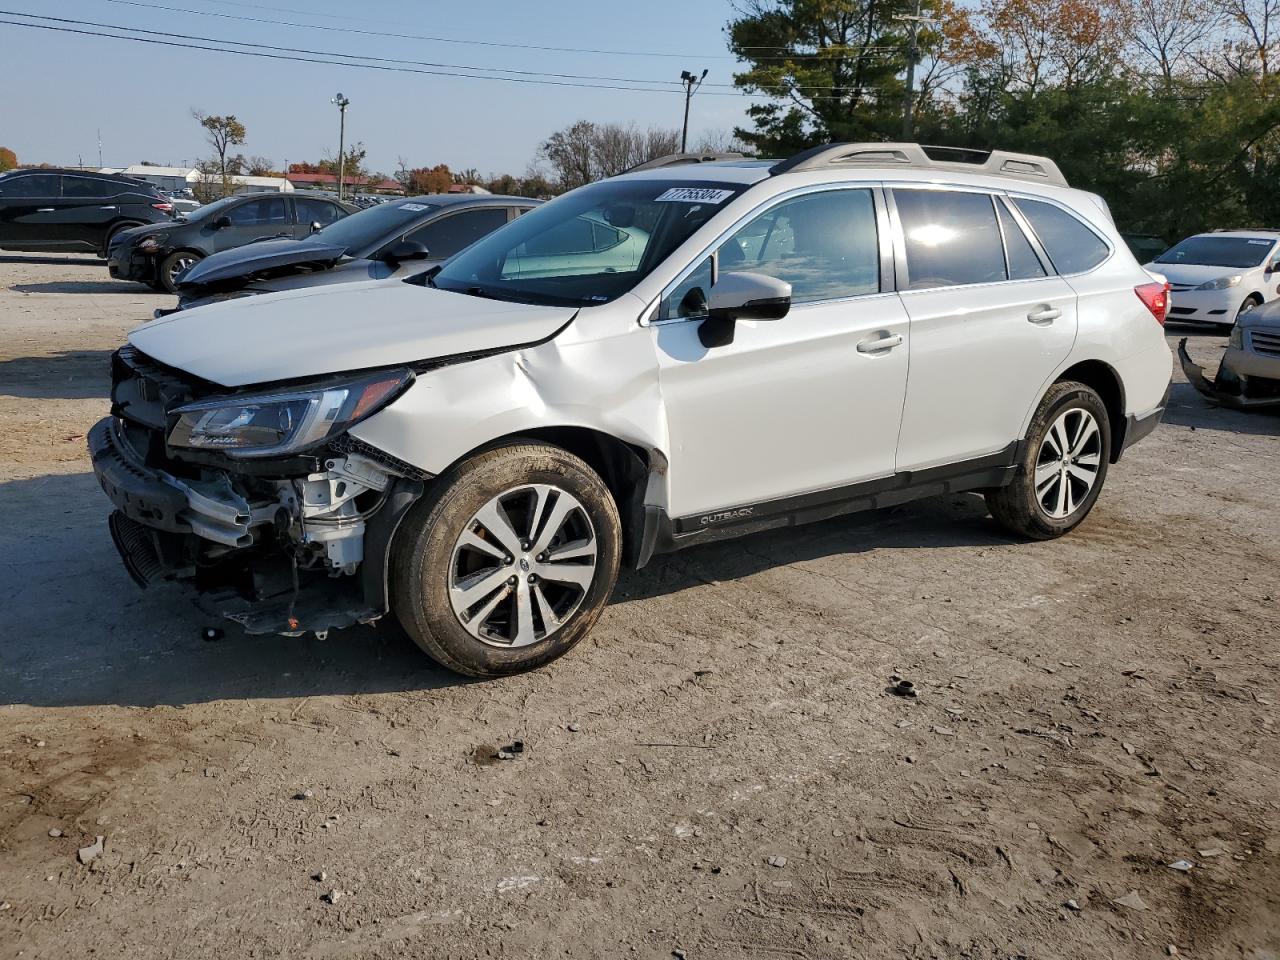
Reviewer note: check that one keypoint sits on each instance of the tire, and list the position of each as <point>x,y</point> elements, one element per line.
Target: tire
<point>1052,512</point>
<point>445,545</point>
<point>174,264</point>
<point>1251,301</point>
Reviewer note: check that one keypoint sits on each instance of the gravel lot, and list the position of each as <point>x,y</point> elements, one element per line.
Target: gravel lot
<point>717,773</point>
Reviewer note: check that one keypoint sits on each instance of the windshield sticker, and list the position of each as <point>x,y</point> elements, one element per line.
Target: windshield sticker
<point>694,195</point>
<point>415,207</point>
<point>1261,243</point>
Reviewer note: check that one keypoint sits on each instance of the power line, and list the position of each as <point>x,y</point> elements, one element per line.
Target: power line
<point>476,72</point>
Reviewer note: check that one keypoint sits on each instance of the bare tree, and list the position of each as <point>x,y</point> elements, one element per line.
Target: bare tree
<point>223,133</point>
<point>1167,32</point>
<point>1254,27</point>
<point>586,151</point>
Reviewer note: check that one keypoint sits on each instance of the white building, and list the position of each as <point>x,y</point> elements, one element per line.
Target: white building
<point>176,179</point>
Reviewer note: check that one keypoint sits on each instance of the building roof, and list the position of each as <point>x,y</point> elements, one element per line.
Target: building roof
<point>331,180</point>
<point>146,170</point>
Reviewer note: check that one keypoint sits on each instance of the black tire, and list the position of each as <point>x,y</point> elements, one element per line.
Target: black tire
<point>1251,301</point>
<point>423,557</point>
<point>1016,506</point>
<point>173,264</point>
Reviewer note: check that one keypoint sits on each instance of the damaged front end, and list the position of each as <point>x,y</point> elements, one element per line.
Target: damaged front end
<point>1247,379</point>
<point>281,521</point>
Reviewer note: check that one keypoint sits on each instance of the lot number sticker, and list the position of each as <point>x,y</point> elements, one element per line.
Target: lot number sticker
<point>415,207</point>
<point>694,195</point>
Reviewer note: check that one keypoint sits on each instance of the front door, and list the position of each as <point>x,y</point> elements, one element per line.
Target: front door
<point>807,404</point>
<point>990,324</point>
<point>256,218</point>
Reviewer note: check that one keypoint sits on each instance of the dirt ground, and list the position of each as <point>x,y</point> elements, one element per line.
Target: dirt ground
<point>718,772</point>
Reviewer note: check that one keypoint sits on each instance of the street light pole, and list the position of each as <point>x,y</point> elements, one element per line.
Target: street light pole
<point>341,103</point>
<point>691,85</point>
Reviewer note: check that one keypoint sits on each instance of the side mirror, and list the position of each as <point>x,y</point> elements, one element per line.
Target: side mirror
<point>222,222</point>
<point>405,251</point>
<point>742,296</point>
<point>316,226</point>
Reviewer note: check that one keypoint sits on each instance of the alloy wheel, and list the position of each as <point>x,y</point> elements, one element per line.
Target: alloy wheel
<point>180,263</point>
<point>1068,463</point>
<point>522,566</point>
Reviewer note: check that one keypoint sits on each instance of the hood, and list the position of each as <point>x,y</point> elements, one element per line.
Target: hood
<point>356,326</point>
<point>1194,273</point>
<point>258,257</point>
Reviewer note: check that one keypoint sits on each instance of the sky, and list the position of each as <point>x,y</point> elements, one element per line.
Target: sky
<point>141,95</point>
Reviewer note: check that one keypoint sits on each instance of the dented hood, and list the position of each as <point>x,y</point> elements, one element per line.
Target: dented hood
<point>323,330</point>
<point>256,257</point>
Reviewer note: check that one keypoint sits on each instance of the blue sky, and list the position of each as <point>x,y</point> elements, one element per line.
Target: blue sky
<point>141,95</point>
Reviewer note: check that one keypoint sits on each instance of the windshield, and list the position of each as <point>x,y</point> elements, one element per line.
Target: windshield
<point>364,231</point>
<point>1218,252</point>
<point>588,247</point>
<point>212,209</point>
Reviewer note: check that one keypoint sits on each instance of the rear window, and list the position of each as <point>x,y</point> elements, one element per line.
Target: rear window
<point>1238,252</point>
<point>88,187</point>
<point>952,238</point>
<point>1073,247</point>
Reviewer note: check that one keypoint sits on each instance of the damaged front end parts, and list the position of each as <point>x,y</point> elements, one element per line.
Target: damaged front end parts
<point>261,500</point>
<point>1248,376</point>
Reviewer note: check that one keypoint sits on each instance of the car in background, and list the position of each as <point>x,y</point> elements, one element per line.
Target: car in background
<point>1216,277</point>
<point>155,255</point>
<point>396,239</point>
<point>184,203</point>
<point>57,211</point>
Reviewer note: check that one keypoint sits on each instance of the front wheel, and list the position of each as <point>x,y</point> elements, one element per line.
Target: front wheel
<point>509,562</point>
<point>1063,466</point>
<point>174,264</point>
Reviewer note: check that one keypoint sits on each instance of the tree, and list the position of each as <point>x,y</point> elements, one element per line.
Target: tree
<point>260,167</point>
<point>586,151</point>
<point>223,133</point>
<point>8,159</point>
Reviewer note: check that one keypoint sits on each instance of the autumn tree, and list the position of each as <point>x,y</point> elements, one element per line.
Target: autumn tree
<point>8,159</point>
<point>260,167</point>
<point>223,133</point>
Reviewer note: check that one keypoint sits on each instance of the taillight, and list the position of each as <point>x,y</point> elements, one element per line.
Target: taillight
<point>166,207</point>
<point>1156,297</point>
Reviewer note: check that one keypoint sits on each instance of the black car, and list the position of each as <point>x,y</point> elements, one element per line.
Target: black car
<point>57,211</point>
<point>156,255</point>
<point>397,238</point>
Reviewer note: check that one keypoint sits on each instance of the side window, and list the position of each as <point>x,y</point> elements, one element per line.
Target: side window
<point>311,210</point>
<point>952,238</point>
<point>87,187</point>
<point>443,238</point>
<point>32,185</point>
<point>1073,247</point>
<point>265,211</point>
<point>1023,262</point>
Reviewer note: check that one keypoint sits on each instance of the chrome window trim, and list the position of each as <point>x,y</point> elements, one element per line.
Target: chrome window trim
<point>649,316</point>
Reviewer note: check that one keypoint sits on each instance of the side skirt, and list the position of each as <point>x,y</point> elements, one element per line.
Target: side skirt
<point>994,470</point>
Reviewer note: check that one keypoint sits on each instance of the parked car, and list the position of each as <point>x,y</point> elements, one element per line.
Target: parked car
<point>155,255</point>
<point>479,449</point>
<point>57,211</point>
<point>1248,375</point>
<point>396,239</point>
<point>1216,277</point>
<point>184,203</point>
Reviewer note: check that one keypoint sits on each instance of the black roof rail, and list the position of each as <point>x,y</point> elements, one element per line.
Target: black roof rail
<point>995,163</point>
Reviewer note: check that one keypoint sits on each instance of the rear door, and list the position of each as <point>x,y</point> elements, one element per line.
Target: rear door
<point>89,205</point>
<point>29,210</point>
<point>258,217</point>
<point>990,322</point>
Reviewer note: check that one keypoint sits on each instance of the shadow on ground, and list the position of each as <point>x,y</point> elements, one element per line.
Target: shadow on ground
<point>86,260</point>
<point>83,287</point>
<point>78,631</point>
<point>66,375</point>
<point>1187,408</point>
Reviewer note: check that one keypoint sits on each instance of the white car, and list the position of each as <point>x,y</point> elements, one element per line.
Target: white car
<point>479,449</point>
<point>1215,277</point>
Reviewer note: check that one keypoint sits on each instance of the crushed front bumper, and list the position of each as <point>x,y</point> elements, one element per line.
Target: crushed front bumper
<point>1231,388</point>
<point>123,264</point>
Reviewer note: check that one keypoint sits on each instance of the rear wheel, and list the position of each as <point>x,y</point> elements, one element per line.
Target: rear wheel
<point>1063,466</point>
<point>509,562</point>
<point>174,264</point>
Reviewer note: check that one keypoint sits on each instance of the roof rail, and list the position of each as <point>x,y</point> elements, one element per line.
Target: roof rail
<point>677,159</point>
<point>1245,230</point>
<point>996,163</point>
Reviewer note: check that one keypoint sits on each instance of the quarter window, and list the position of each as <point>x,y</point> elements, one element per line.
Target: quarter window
<point>1073,247</point>
<point>1023,262</point>
<point>87,187</point>
<point>952,238</point>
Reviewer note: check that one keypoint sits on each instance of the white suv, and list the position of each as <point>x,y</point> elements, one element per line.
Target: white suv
<point>679,354</point>
<point>1215,277</point>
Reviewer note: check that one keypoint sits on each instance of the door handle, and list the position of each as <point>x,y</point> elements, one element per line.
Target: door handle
<point>876,344</point>
<point>1044,314</point>
<point>106,208</point>
<point>45,209</point>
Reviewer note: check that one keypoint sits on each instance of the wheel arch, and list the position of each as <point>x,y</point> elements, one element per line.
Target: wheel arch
<point>1106,382</point>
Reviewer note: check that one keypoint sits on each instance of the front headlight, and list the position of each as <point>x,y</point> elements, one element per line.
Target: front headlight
<point>1236,339</point>
<point>283,424</point>
<point>148,244</point>
<point>1222,283</point>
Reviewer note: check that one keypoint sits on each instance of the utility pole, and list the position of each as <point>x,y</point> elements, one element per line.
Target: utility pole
<point>691,85</point>
<point>913,54</point>
<point>99,148</point>
<point>341,103</point>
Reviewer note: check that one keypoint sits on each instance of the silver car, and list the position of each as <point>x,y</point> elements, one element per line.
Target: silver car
<point>1249,375</point>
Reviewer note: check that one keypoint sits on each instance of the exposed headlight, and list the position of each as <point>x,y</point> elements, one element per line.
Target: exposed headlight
<point>283,424</point>
<point>149,244</point>
<point>1237,338</point>
<point>1222,283</point>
